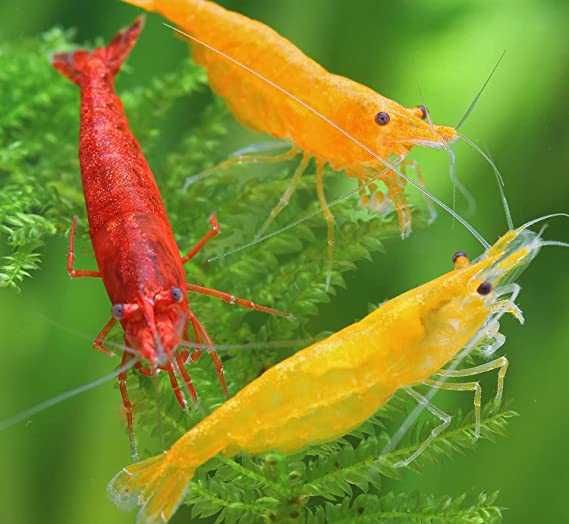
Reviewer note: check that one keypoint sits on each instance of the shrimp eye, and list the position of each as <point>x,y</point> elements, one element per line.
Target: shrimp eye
<point>424,111</point>
<point>118,311</point>
<point>457,255</point>
<point>176,294</point>
<point>485,288</point>
<point>382,118</point>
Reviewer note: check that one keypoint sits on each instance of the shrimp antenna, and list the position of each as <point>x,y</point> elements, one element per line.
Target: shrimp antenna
<point>456,182</point>
<point>62,397</point>
<point>458,185</point>
<point>251,345</point>
<point>554,243</point>
<point>338,128</point>
<point>499,179</point>
<point>541,219</point>
<point>479,94</point>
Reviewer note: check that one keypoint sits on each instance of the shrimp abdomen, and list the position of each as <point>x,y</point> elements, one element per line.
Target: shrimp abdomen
<point>320,393</point>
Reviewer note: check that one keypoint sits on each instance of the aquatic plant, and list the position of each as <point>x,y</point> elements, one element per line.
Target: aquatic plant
<point>349,480</point>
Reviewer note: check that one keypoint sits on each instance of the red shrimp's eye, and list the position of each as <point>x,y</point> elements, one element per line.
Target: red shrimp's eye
<point>485,288</point>
<point>424,111</point>
<point>124,311</point>
<point>382,118</point>
<point>176,294</point>
<point>118,311</point>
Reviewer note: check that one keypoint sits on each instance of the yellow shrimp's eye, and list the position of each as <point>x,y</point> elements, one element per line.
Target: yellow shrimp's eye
<point>484,289</point>
<point>460,260</point>
<point>424,111</point>
<point>457,255</point>
<point>382,118</point>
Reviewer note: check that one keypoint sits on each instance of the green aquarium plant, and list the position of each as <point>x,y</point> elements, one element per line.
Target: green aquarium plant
<point>349,480</point>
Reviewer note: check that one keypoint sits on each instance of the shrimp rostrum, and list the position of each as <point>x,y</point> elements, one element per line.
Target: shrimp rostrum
<point>332,386</point>
<point>137,255</point>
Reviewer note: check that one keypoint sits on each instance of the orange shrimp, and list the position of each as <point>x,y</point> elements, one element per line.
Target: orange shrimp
<point>332,386</point>
<point>385,126</point>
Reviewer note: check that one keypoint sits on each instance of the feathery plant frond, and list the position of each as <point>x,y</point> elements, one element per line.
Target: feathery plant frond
<point>348,480</point>
<point>412,509</point>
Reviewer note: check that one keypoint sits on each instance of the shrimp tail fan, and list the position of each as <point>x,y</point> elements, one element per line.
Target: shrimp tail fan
<point>76,64</point>
<point>155,485</point>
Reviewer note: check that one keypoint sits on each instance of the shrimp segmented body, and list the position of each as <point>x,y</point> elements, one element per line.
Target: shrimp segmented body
<point>332,386</point>
<point>380,123</point>
<point>137,256</point>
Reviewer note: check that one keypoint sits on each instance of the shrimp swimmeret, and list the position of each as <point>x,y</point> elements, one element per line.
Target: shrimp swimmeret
<point>332,386</point>
<point>385,126</point>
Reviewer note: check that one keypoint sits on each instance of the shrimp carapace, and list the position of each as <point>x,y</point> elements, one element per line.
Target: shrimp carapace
<point>332,386</point>
<point>137,255</point>
<point>276,103</point>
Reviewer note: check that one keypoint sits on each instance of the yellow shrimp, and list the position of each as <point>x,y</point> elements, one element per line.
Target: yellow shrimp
<point>332,386</point>
<point>383,125</point>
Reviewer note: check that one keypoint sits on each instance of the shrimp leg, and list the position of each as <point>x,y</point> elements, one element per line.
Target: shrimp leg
<point>500,363</point>
<point>202,337</point>
<point>396,192</point>
<point>99,342</point>
<point>440,414</point>
<point>212,233</point>
<point>464,386</point>
<point>232,299</point>
<point>414,165</point>
<point>71,271</point>
<point>186,377</point>
<point>127,405</point>
<point>285,198</point>
<point>239,161</point>
<point>176,388</point>
<point>328,216</point>
<point>177,366</point>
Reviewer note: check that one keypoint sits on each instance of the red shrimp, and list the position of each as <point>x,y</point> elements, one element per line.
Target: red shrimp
<point>136,252</point>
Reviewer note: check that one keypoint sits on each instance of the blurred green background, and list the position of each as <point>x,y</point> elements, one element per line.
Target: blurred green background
<point>54,469</point>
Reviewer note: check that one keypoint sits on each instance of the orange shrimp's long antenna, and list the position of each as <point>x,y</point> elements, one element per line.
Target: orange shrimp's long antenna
<point>338,128</point>
<point>476,98</point>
